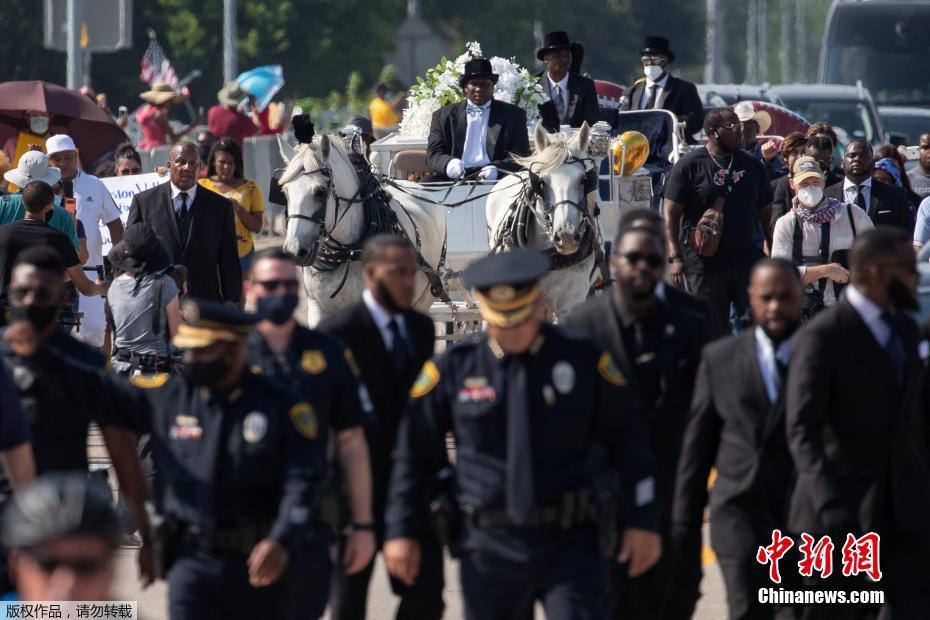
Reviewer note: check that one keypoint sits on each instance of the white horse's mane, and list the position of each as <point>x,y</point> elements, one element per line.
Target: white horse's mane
<point>306,157</point>
<point>556,153</point>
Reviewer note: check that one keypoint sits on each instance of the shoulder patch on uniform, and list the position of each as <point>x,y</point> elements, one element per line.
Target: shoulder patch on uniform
<point>426,381</point>
<point>149,382</point>
<point>609,370</point>
<point>313,362</point>
<point>304,418</point>
<point>350,360</point>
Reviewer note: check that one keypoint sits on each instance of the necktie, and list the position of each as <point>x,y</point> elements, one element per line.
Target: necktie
<point>782,372</point>
<point>399,353</point>
<point>520,491</point>
<point>474,110</point>
<point>893,346</point>
<point>860,198</point>
<point>651,100</point>
<point>183,217</point>
<point>559,101</point>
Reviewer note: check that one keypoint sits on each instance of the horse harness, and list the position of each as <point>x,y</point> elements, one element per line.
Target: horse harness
<point>515,225</point>
<point>329,254</point>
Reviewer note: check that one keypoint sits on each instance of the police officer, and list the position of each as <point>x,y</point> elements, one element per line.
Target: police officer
<point>525,481</point>
<point>321,370</point>
<point>238,464</point>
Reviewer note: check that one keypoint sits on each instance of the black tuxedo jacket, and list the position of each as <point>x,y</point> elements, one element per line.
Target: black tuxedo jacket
<point>210,255</point>
<point>887,204</point>
<point>679,97</point>
<point>507,134</point>
<point>675,296</point>
<point>679,351</point>
<point>855,431</point>
<point>388,390</point>
<point>781,203</point>
<point>734,426</point>
<point>582,99</point>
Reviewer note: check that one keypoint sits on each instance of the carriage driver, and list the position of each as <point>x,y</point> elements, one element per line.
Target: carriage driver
<point>474,138</point>
<point>534,522</point>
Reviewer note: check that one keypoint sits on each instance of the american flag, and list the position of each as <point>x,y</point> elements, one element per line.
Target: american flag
<point>156,68</point>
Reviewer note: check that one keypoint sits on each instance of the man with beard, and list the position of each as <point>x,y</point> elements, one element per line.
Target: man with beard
<point>391,342</point>
<point>321,370</point>
<point>658,347</point>
<point>886,205</point>
<point>855,422</point>
<point>737,425</point>
<point>707,187</point>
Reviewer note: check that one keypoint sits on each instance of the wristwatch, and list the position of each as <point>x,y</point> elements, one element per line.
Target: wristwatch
<point>672,259</point>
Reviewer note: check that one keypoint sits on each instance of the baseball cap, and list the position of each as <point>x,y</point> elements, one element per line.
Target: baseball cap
<point>804,168</point>
<point>58,143</point>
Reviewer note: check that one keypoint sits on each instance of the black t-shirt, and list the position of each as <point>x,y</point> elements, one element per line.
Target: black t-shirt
<point>23,234</point>
<point>696,181</point>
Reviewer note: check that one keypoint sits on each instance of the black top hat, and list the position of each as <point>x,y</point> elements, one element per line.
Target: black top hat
<point>655,46</point>
<point>479,68</point>
<point>557,40</point>
<point>140,251</point>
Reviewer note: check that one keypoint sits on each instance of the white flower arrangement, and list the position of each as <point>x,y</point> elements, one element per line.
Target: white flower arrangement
<point>440,87</point>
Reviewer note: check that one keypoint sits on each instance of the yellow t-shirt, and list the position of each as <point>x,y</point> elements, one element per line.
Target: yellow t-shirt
<point>22,143</point>
<point>250,197</point>
<point>382,114</point>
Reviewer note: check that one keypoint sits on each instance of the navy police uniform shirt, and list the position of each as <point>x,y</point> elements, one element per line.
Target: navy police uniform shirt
<point>13,428</point>
<point>245,456</point>
<point>577,398</point>
<point>321,370</point>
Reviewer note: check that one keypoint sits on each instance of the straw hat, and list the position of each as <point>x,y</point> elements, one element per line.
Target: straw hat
<point>162,93</point>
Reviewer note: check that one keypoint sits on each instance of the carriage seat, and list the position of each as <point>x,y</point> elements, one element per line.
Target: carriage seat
<point>411,162</point>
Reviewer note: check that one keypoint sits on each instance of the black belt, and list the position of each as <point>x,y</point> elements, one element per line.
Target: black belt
<point>240,539</point>
<point>145,361</point>
<point>577,508</point>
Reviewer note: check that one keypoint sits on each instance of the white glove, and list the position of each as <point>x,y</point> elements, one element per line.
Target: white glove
<point>455,169</point>
<point>488,173</point>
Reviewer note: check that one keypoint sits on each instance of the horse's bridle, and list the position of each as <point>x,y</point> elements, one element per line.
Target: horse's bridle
<point>590,185</point>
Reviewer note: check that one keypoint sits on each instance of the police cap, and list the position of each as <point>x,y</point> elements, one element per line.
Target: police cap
<point>59,504</point>
<point>207,322</point>
<point>507,285</point>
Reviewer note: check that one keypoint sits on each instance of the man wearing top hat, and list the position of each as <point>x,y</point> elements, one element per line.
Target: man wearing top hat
<point>658,90</point>
<point>536,414</point>
<point>477,135</point>
<point>572,94</point>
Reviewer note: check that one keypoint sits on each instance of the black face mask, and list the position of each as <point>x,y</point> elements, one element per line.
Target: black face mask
<point>39,317</point>
<point>278,309</point>
<point>901,296</point>
<point>206,374</point>
<point>384,296</point>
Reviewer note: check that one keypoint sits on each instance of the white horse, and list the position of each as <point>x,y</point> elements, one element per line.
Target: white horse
<point>324,212</point>
<point>559,219</point>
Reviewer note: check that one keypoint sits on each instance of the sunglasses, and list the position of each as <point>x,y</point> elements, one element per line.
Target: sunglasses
<point>40,296</point>
<point>128,171</point>
<point>731,127</point>
<point>273,285</point>
<point>820,143</point>
<point>653,261</point>
<point>82,567</point>
<point>654,60</point>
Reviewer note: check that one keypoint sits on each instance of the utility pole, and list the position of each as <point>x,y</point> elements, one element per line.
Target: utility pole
<point>230,57</point>
<point>75,19</point>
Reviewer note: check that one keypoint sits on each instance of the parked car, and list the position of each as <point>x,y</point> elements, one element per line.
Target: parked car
<point>905,122</point>
<point>719,95</point>
<point>846,108</point>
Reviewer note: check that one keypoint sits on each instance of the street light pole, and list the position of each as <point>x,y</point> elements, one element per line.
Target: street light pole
<point>230,60</point>
<point>75,12</point>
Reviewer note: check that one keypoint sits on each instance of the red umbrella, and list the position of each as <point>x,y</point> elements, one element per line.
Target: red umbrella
<point>93,131</point>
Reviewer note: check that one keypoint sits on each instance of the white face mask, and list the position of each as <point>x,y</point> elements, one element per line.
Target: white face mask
<point>810,196</point>
<point>38,124</point>
<point>653,72</point>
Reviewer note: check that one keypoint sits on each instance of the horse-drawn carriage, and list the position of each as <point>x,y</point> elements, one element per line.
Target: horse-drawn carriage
<point>567,201</point>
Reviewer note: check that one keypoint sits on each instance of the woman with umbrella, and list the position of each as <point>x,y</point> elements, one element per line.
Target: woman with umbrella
<point>153,117</point>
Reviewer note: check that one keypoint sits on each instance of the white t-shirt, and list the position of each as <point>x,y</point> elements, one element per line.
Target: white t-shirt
<point>95,208</point>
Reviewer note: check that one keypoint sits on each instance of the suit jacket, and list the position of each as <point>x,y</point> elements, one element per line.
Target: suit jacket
<point>388,390</point>
<point>855,431</point>
<point>781,204</point>
<point>675,296</point>
<point>210,255</point>
<point>679,97</point>
<point>734,426</point>
<point>887,204</point>
<point>679,350</point>
<point>506,134</point>
<point>582,99</point>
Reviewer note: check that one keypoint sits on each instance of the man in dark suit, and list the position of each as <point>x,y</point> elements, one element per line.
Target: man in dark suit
<point>476,135</point>
<point>856,425</point>
<point>195,225</point>
<point>660,91</point>
<point>737,425</point>
<point>884,204</point>
<point>390,343</point>
<point>573,95</point>
<point>658,347</point>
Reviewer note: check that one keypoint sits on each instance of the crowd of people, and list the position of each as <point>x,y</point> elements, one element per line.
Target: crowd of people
<point>755,332</point>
